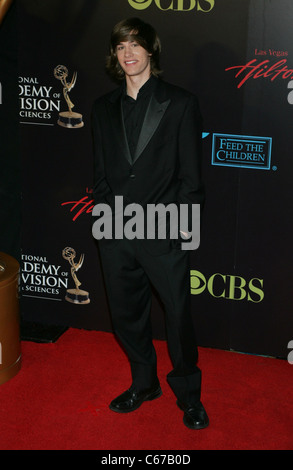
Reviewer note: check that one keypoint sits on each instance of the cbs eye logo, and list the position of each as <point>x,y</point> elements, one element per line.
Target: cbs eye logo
<point>227,286</point>
<point>176,5</point>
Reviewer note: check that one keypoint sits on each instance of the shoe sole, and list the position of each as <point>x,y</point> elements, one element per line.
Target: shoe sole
<point>202,426</point>
<point>150,397</point>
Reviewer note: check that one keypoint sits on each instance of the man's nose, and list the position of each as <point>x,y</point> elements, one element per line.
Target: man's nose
<point>128,51</point>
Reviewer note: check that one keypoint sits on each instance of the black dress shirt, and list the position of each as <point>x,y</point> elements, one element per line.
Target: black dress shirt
<point>134,111</point>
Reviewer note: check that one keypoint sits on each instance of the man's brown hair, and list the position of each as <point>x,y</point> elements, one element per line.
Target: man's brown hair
<point>133,29</point>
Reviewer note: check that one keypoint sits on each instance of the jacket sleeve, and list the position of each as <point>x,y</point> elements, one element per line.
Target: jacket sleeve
<point>191,190</point>
<point>102,192</point>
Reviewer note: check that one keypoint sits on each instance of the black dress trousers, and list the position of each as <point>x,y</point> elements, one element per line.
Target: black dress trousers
<point>129,271</point>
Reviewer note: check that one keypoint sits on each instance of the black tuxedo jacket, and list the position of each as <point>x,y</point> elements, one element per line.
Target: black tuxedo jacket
<point>166,166</point>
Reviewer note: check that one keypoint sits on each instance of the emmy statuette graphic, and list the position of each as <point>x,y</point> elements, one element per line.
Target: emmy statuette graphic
<point>67,118</point>
<point>75,296</point>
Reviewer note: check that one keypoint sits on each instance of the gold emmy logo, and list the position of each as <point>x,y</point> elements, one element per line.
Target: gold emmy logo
<point>67,118</point>
<point>75,296</point>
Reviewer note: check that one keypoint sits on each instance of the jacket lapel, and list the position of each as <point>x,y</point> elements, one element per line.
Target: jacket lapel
<point>154,114</point>
<point>116,115</point>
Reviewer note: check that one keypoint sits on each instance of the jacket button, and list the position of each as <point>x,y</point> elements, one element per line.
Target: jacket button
<point>132,175</point>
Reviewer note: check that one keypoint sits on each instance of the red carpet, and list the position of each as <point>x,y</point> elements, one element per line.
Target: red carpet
<point>59,401</point>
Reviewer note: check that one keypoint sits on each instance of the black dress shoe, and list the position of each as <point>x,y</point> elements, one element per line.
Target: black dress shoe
<point>131,399</point>
<point>195,416</point>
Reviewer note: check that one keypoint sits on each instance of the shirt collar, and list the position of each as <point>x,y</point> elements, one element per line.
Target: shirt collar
<point>147,88</point>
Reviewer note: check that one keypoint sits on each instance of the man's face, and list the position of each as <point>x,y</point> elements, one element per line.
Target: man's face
<point>133,59</point>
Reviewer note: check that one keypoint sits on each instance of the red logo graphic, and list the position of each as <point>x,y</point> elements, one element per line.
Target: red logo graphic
<point>83,205</point>
<point>255,70</point>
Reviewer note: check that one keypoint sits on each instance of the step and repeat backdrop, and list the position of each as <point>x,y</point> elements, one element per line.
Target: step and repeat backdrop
<point>237,57</point>
<point>10,165</point>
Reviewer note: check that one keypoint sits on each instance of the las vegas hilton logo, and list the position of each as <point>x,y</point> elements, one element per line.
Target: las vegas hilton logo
<point>68,118</point>
<point>75,296</point>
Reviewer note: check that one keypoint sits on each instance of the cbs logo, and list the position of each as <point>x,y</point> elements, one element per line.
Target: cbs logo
<point>176,5</point>
<point>227,286</point>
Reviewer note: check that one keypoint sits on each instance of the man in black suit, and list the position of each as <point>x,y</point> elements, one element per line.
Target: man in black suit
<point>147,149</point>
